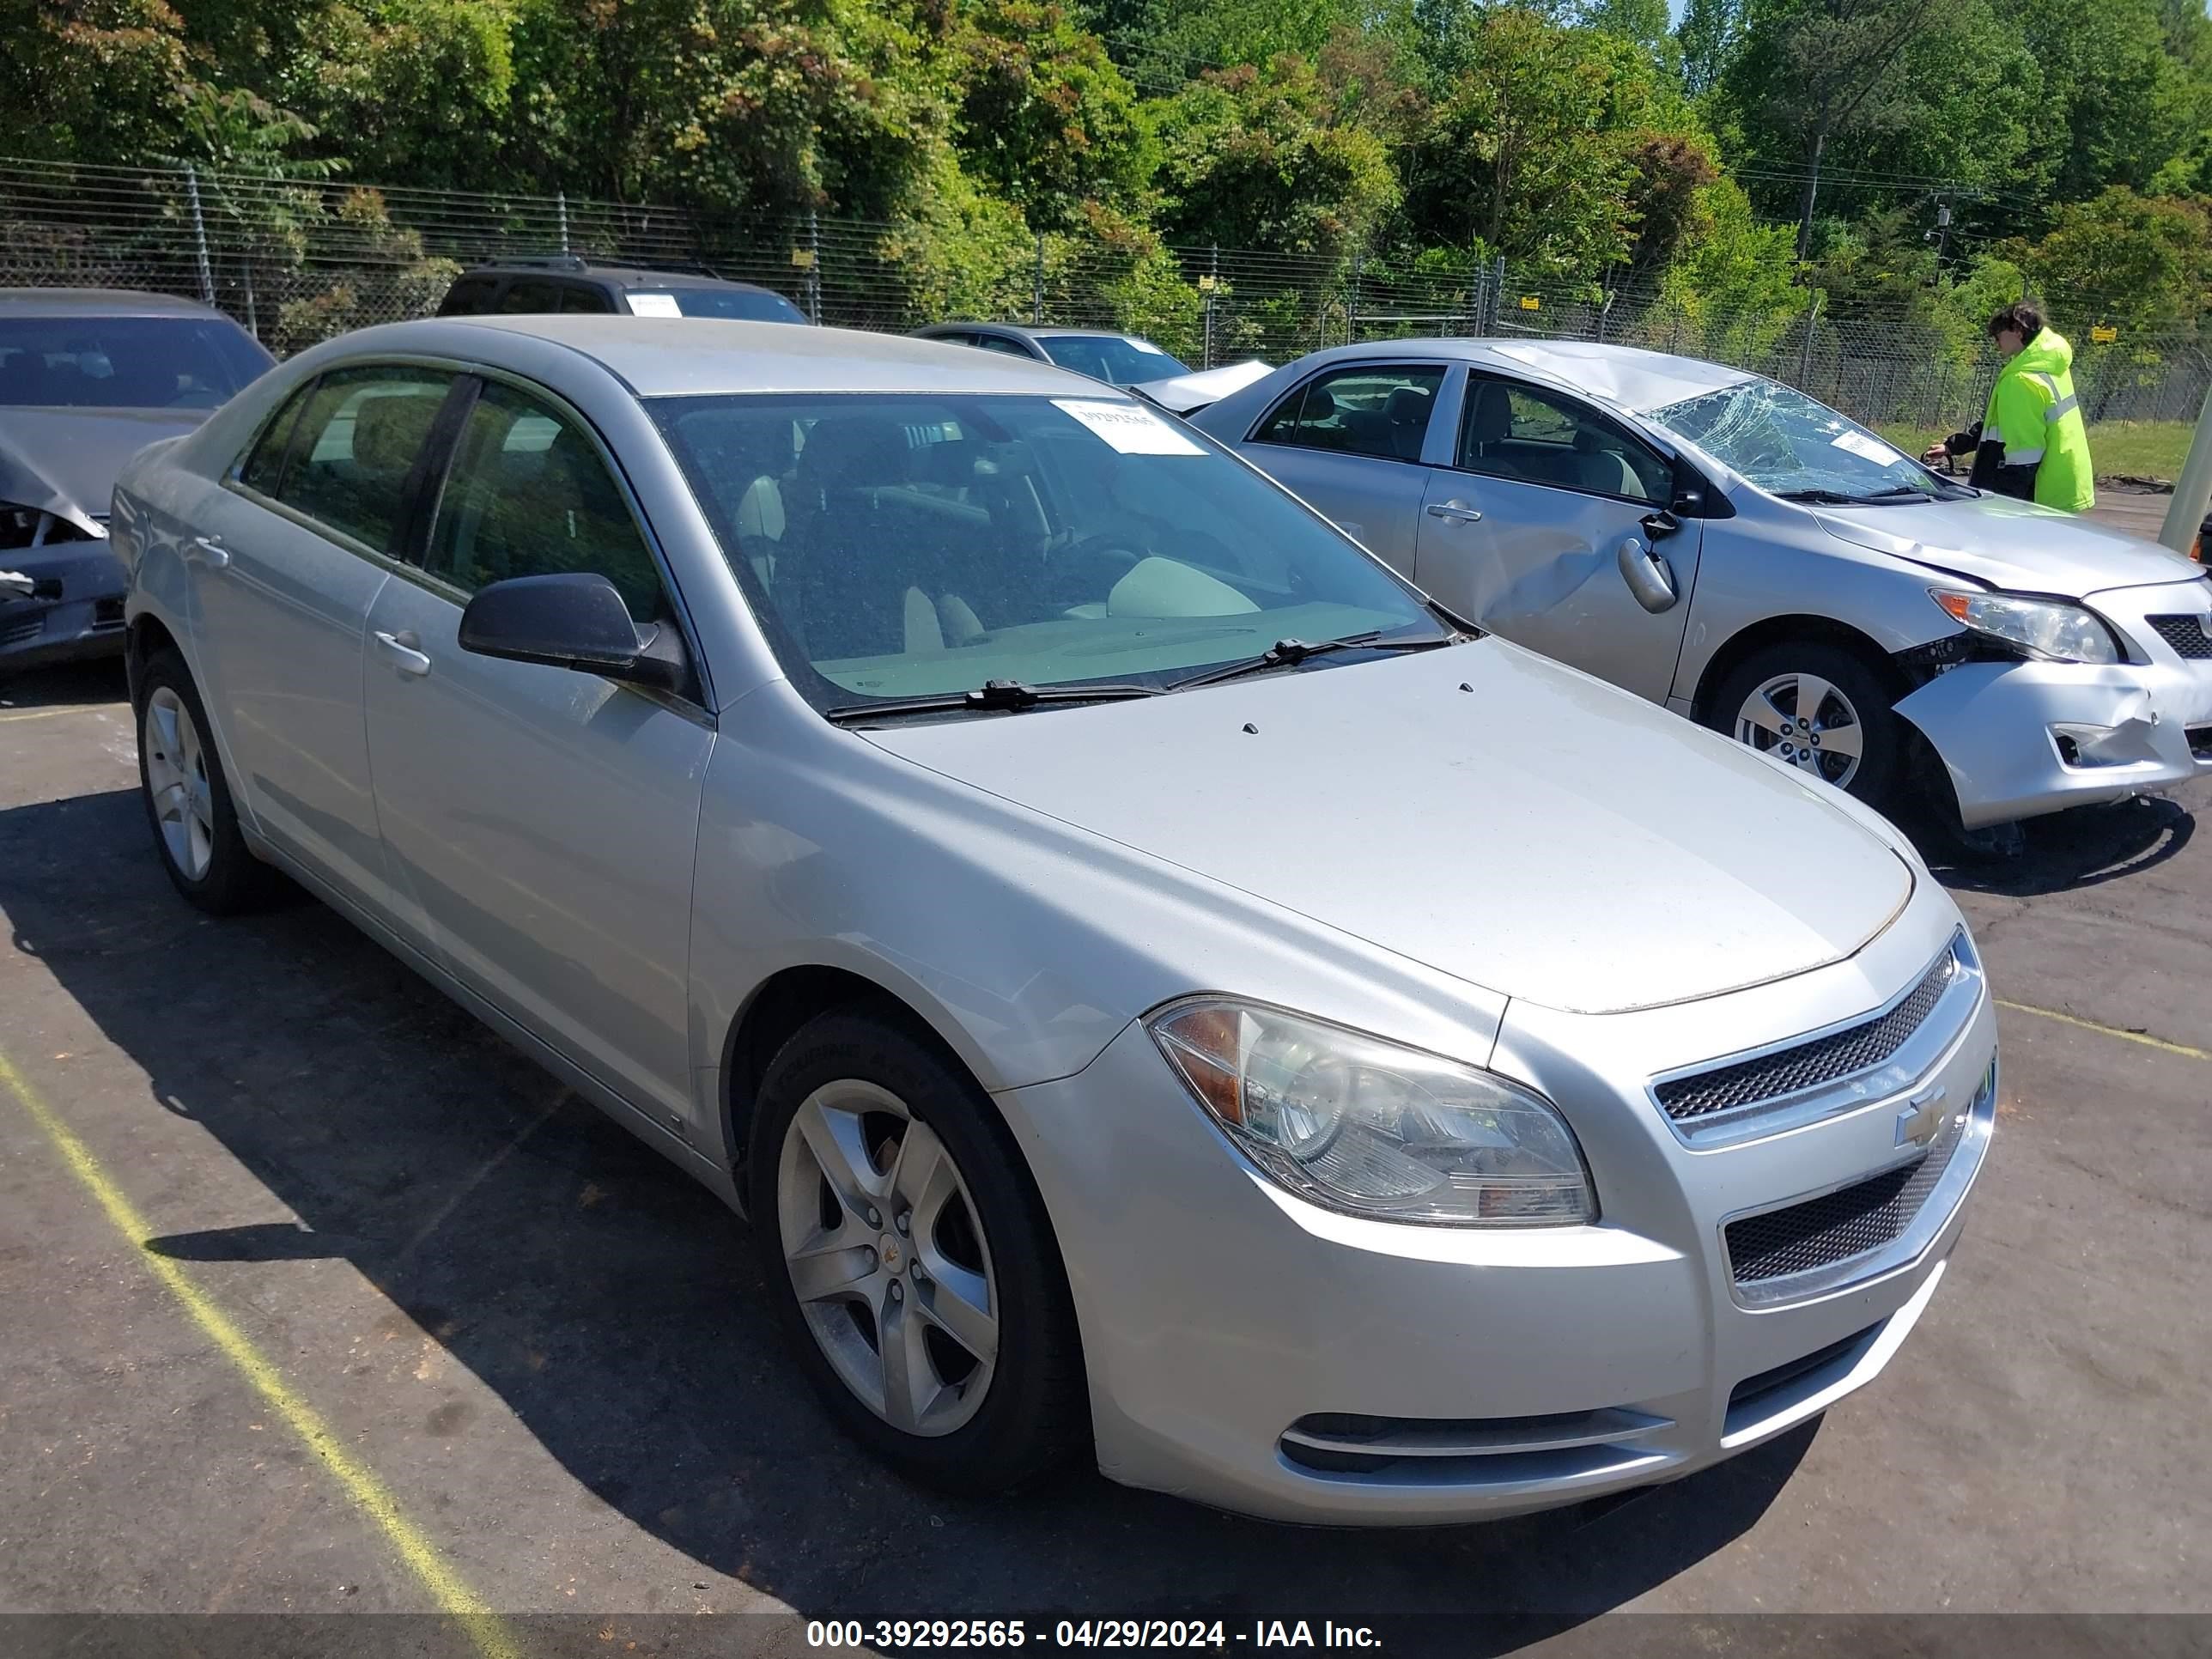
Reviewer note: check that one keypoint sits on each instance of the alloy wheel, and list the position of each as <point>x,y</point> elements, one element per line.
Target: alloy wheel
<point>1806,721</point>
<point>887,1257</point>
<point>177,783</point>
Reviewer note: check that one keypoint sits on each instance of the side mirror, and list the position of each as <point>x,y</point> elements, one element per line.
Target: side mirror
<point>1650,579</point>
<point>568,621</point>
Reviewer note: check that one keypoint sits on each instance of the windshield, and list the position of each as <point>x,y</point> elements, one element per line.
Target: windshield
<point>1787,444</point>
<point>904,546</point>
<point>1121,359</point>
<point>745,305</point>
<point>124,362</point>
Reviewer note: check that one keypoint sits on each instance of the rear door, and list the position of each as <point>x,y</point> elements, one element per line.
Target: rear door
<point>1349,441</point>
<point>285,565</point>
<point>1546,520</point>
<point>539,822</point>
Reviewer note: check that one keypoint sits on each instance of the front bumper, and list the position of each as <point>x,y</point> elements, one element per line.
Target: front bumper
<point>2022,738</point>
<point>77,611</point>
<point>1237,1338</point>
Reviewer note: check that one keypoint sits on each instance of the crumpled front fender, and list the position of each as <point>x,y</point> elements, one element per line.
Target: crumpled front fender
<point>1996,728</point>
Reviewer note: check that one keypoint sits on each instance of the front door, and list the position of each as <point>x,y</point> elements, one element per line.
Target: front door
<point>1549,523</point>
<point>539,824</point>
<point>286,562</point>
<point>1348,442</point>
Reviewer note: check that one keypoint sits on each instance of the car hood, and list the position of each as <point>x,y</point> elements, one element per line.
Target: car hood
<point>1478,809</point>
<point>1186,394</point>
<point>2009,544</point>
<point>65,461</point>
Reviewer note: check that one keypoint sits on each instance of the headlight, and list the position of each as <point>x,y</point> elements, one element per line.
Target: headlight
<point>1358,1124</point>
<point>2049,628</point>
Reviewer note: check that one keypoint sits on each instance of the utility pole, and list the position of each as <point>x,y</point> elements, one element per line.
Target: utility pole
<point>2192,490</point>
<point>1812,194</point>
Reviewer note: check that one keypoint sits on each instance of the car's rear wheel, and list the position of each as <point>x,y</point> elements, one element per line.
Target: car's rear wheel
<point>909,1259</point>
<point>1819,707</point>
<point>188,798</point>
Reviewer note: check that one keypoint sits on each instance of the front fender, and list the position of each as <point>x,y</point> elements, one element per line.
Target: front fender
<point>1991,725</point>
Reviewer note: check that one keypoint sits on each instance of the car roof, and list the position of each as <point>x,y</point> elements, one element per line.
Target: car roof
<point>626,276</point>
<point>686,356</point>
<point>99,302</point>
<point>1037,332</point>
<point>1630,376</point>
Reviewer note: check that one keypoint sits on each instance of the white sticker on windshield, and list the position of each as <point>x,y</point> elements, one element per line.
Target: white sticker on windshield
<point>653,305</point>
<point>1871,449</point>
<point>1130,428</point>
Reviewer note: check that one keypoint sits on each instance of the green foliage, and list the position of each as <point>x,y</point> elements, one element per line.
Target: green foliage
<point>391,279</point>
<point>2124,258</point>
<point>1275,158</point>
<point>1046,119</point>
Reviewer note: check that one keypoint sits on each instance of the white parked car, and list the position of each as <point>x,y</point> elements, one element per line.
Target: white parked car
<point>1724,546</point>
<point>1161,993</point>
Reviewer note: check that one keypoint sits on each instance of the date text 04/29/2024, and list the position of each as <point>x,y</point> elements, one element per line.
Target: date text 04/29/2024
<point>897,1634</point>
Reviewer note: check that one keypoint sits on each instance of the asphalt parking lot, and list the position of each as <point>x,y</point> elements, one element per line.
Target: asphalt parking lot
<point>319,1300</point>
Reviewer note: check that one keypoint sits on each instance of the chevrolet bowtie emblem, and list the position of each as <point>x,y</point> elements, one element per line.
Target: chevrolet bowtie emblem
<point>1921,1120</point>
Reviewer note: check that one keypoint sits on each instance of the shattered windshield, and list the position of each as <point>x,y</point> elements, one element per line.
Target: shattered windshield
<point>1790,446</point>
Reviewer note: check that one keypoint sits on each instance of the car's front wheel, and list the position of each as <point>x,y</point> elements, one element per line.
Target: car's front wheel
<point>910,1260</point>
<point>1819,707</point>
<point>188,798</point>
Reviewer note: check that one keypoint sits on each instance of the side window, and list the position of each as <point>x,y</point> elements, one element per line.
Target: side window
<point>576,297</point>
<point>531,294</point>
<point>1362,408</point>
<point>265,466</point>
<point>1536,436</point>
<point>359,433</point>
<point>528,496</point>
<point>468,296</point>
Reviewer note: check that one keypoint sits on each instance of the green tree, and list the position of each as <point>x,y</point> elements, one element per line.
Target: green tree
<point>2141,261</point>
<point>1262,158</point>
<point>106,81</point>
<point>1045,119</point>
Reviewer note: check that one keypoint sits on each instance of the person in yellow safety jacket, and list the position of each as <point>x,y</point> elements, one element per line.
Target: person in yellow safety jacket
<point>2031,443</point>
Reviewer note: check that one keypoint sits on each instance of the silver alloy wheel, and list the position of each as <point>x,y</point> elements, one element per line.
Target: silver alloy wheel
<point>886,1254</point>
<point>1806,721</point>
<point>177,783</point>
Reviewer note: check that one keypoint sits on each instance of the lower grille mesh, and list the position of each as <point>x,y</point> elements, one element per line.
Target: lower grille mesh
<point>1839,1225</point>
<point>1838,1054</point>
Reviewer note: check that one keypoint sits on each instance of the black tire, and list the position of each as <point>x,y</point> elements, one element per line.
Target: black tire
<point>234,880</point>
<point>1859,682</point>
<point>1034,1416</point>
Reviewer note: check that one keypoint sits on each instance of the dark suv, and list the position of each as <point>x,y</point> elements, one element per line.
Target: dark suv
<point>570,283</point>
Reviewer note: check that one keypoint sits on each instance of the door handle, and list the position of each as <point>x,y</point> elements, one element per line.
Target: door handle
<point>400,648</point>
<point>1650,579</point>
<point>1454,512</point>
<point>212,552</point>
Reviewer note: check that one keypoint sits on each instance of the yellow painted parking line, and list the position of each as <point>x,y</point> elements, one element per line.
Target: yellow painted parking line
<point>9,716</point>
<point>367,1493</point>
<point>2159,1044</point>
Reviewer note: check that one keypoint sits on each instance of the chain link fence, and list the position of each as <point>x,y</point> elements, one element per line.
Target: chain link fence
<point>296,260</point>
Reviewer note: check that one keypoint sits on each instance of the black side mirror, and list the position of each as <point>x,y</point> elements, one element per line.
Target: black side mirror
<point>568,621</point>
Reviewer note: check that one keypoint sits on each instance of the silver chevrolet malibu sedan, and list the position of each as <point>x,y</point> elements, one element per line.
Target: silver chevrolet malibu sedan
<point>1727,546</point>
<point>1161,991</point>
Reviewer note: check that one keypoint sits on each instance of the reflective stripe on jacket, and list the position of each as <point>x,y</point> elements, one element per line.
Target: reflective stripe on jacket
<point>2034,415</point>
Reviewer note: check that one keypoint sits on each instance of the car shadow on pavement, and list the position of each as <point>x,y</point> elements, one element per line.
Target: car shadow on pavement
<point>98,681</point>
<point>2066,851</point>
<point>612,1306</point>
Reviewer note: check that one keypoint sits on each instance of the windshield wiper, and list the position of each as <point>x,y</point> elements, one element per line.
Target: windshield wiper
<point>1899,496</point>
<point>1288,654</point>
<point>992,694</point>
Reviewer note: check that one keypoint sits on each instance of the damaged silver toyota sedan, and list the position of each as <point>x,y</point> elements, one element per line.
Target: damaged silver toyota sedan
<point>1723,544</point>
<point>1161,991</point>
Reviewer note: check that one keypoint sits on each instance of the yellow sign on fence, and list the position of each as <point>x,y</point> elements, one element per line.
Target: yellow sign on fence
<point>802,256</point>
<point>1530,302</point>
<point>1205,285</point>
<point>2104,335</point>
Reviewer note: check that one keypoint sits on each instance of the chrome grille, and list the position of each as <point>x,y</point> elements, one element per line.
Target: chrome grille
<point>2185,635</point>
<point>1839,1226</point>
<point>1790,1071</point>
